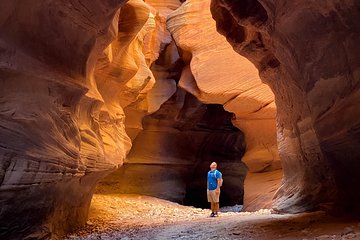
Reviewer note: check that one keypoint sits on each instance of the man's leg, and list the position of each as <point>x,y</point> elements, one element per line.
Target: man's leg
<point>209,200</point>
<point>212,209</point>
<point>216,208</point>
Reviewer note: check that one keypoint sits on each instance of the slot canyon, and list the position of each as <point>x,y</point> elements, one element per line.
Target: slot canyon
<point>109,103</point>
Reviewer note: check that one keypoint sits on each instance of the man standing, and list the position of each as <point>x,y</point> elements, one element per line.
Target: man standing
<point>214,182</point>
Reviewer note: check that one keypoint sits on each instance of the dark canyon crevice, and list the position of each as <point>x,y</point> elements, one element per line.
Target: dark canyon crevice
<point>170,156</point>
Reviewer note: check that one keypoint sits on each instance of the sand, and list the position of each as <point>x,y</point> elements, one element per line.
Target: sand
<point>118,216</point>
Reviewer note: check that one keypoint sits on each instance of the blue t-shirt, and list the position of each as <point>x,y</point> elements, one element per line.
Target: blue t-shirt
<point>212,179</point>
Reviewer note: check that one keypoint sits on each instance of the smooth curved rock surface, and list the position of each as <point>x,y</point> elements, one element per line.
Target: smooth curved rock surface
<point>260,189</point>
<point>217,74</point>
<point>161,162</point>
<point>62,122</point>
<point>164,7</point>
<point>70,72</point>
<point>162,63</point>
<point>308,53</point>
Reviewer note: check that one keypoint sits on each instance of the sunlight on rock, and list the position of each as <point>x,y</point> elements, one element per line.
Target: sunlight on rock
<point>112,111</point>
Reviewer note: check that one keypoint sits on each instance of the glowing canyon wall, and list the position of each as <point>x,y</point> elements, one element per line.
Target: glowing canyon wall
<point>307,52</point>
<point>82,81</point>
<point>215,74</point>
<point>75,76</point>
<point>62,125</point>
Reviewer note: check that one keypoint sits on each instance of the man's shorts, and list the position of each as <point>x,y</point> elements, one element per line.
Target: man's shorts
<point>212,196</point>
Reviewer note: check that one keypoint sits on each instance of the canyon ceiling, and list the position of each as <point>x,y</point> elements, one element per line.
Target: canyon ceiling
<point>82,81</point>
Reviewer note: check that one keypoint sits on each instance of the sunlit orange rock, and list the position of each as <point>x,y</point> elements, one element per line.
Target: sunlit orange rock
<point>63,66</point>
<point>217,74</point>
<point>307,52</point>
<point>123,76</point>
<point>159,56</point>
<point>161,163</point>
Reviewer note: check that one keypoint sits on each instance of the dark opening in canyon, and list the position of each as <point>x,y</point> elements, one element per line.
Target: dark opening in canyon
<point>170,157</point>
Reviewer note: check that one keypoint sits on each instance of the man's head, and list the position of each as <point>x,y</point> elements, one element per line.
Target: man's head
<point>213,166</point>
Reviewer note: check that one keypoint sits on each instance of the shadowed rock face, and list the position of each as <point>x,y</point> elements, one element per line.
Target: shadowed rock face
<point>171,156</point>
<point>307,52</point>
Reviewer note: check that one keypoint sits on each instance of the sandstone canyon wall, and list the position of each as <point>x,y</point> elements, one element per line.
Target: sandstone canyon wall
<point>62,126</point>
<point>173,147</point>
<point>70,72</point>
<point>217,74</point>
<point>307,52</point>
<point>161,56</point>
<point>154,166</point>
<point>171,155</point>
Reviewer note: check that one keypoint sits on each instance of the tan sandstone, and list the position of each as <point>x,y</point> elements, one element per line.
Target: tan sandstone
<point>217,74</point>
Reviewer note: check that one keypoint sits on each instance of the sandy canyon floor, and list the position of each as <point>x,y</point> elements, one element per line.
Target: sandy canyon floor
<point>115,216</point>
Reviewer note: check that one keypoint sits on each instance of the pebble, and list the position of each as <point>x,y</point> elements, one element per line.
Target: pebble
<point>347,231</point>
<point>351,236</point>
<point>89,223</point>
<point>322,237</point>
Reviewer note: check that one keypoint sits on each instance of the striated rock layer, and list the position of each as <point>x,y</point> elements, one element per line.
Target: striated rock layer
<point>159,55</point>
<point>307,52</point>
<point>63,65</point>
<point>217,74</point>
<point>260,189</point>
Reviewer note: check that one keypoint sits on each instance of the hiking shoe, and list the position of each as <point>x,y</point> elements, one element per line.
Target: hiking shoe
<point>212,214</point>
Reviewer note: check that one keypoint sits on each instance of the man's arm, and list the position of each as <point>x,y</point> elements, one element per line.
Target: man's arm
<point>218,185</point>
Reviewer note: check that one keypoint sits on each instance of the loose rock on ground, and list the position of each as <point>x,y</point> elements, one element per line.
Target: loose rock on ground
<point>116,216</point>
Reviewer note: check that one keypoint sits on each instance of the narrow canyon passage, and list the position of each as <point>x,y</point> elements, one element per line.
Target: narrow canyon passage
<point>171,155</point>
<point>109,107</point>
